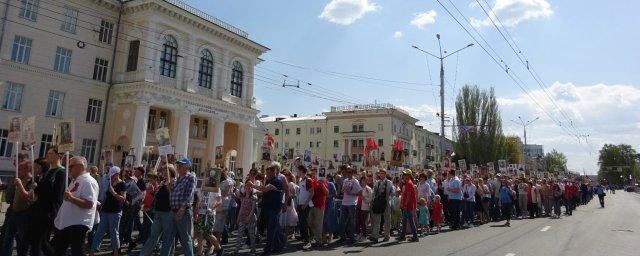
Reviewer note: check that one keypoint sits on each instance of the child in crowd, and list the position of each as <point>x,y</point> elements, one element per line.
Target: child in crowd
<point>436,215</point>
<point>423,219</point>
<point>247,217</point>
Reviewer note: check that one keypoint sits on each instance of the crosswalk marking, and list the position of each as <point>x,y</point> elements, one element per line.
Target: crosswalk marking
<point>545,228</point>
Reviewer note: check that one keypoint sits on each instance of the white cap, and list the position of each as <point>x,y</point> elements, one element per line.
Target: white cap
<point>114,171</point>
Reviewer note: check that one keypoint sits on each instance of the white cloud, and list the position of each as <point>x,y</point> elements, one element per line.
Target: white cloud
<point>397,34</point>
<point>607,113</point>
<point>259,103</point>
<point>345,12</point>
<point>512,12</point>
<point>420,20</point>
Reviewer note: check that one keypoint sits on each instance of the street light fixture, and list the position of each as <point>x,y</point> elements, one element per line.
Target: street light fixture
<point>441,57</point>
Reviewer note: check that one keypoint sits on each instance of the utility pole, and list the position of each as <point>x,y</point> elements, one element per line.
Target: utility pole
<point>441,57</point>
<point>524,127</point>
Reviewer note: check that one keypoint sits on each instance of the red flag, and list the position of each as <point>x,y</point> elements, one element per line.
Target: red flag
<point>397,145</point>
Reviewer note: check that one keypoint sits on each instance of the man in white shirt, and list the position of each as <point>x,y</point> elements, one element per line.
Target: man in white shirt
<point>77,212</point>
<point>351,189</point>
<point>304,198</point>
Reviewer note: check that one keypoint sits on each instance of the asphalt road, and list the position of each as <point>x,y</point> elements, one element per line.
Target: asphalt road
<point>614,230</point>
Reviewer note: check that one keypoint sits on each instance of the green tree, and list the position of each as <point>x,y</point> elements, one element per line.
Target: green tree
<point>617,162</point>
<point>513,150</point>
<point>480,138</point>
<point>555,161</point>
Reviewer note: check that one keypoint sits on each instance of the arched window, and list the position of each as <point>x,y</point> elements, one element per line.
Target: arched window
<point>236,79</point>
<point>169,59</point>
<point>205,75</point>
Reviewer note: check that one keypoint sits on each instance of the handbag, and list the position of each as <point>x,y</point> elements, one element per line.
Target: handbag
<point>379,204</point>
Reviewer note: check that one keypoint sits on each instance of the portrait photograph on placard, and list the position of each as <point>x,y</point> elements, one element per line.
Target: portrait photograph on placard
<point>129,160</point>
<point>15,129</point>
<point>28,132</point>
<point>219,153</point>
<point>212,180</point>
<point>66,133</point>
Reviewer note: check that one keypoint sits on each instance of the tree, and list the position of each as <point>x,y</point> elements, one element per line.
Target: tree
<point>513,150</point>
<point>617,162</point>
<point>480,138</point>
<point>556,161</point>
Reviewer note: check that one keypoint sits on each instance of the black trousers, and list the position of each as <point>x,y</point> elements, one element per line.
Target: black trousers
<point>70,236</point>
<point>455,207</point>
<point>38,234</point>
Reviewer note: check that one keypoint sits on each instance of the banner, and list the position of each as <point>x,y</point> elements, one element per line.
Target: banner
<point>164,141</point>
<point>15,129</point>
<point>491,168</point>
<point>463,165</point>
<point>474,169</point>
<point>212,180</point>
<point>66,131</point>
<point>307,157</point>
<point>502,166</point>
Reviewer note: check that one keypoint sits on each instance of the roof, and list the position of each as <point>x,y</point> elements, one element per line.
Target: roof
<point>291,119</point>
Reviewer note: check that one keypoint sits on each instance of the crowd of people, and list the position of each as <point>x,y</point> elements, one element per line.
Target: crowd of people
<point>53,209</point>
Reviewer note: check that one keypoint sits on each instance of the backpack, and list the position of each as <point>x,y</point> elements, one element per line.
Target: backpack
<point>379,203</point>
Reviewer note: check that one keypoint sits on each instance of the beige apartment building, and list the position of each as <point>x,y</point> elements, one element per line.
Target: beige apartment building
<point>344,130</point>
<point>122,70</point>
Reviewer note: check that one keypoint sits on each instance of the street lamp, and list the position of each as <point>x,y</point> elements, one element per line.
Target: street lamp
<point>524,127</point>
<point>441,57</point>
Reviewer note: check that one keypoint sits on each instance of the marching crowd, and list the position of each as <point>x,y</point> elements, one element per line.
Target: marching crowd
<point>50,213</point>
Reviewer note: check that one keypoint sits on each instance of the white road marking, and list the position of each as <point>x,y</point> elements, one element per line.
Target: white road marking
<point>510,254</point>
<point>545,228</point>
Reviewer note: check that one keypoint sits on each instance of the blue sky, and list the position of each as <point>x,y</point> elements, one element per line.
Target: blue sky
<point>584,51</point>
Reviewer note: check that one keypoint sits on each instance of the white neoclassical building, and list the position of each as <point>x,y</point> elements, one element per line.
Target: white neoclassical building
<point>122,70</point>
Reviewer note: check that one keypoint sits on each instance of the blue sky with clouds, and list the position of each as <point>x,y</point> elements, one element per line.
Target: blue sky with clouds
<point>585,53</point>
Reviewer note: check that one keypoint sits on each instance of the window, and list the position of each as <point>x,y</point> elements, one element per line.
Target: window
<point>312,130</point>
<point>276,132</point>
<point>318,143</point>
<point>5,145</point>
<point>236,79</point>
<point>277,145</point>
<point>297,144</point>
<point>63,60</point>
<point>354,128</point>
<point>54,104</point>
<point>12,96</point>
<point>88,149</point>
<point>132,58</point>
<point>361,127</point>
<point>380,142</point>
<point>21,49</point>
<point>336,129</point>
<point>318,130</point>
<point>199,128</point>
<point>157,119</point>
<point>310,144</point>
<point>169,59</point>
<point>69,20</point>
<point>380,127</point>
<point>354,157</point>
<point>94,110</point>
<point>100,70</point>
<point>354,143</point>
<point>195,164</point>
<point>29,9</point>
<point>106,33</point>
<point>297,131</point>
<point>205,75</point>
<point>336,144</point>
<point>45,142</point>
<point>286,131</point>
<point>361,143</point>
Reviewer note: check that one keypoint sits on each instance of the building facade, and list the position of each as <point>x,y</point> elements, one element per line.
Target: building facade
<point>344,130</point>
<point>123,70</point>
<point>533,150</point>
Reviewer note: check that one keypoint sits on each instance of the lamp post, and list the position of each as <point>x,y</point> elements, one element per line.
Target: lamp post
<point>441,57</point>
<point>524,127</point>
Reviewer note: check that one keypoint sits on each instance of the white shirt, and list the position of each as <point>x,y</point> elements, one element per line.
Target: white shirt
<point>83,187</point>
<point>352,186</point>
<point>433,184</point>
<point>367,197</point>
<point>470,189</point>
<point>304,197</point>
<point>424,190</point>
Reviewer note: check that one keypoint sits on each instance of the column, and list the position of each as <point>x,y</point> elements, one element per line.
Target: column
<point>247,148</point>
<point>182,133</point>
<point>218,137</point>
<point>139,133</point>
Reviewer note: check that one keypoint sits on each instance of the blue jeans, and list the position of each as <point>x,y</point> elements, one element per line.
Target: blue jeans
<point>469,211</point>
<point>147,222</point>
<point>162,226</point>
<point>109,222</point>
<point>15,228</point>
<point>408,218</point>
<point>348,222</point>
<point>183,230</point>
<point>275,239</point>
<point>132,222</point>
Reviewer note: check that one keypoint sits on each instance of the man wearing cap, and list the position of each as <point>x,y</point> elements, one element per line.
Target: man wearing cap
<point>382,192</point>
<point>408,205</point>
<point>77,213</point>
<point>181,201</point>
